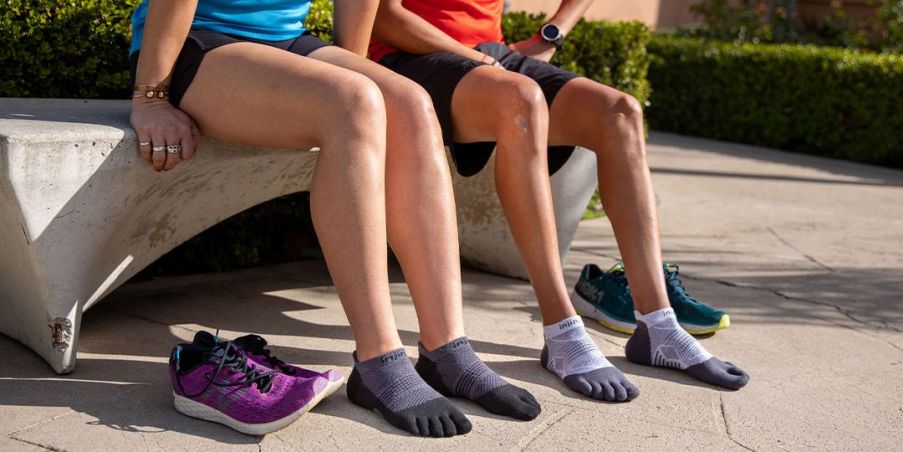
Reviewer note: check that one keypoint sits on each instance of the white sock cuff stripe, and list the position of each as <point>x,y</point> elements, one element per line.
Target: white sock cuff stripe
<point>563,326</point>
<point>656,317</point>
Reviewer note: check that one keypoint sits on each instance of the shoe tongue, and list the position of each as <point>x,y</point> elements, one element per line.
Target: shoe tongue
<point>218,353</point>
<point>671,268</point>
<point>204,339</point>
<point>252,343</point>
<point>617,269</point>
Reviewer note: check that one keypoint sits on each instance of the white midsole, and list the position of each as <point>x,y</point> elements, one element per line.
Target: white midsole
<point>586,309</point>
<point>198,410</point>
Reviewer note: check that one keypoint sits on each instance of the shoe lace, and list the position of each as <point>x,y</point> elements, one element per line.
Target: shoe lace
<point>674,282</point>
<point>271,360</point>
<point>234,359</point>
<point>257,346</point>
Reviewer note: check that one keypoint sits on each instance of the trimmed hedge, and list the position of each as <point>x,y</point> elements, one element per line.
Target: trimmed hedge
<point>64,48</point>
<point>826,101</point>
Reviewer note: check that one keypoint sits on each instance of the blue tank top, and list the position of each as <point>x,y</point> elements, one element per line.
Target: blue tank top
<point>264,20</point>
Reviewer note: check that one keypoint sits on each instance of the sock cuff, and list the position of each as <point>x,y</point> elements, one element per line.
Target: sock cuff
<point>453,346</point>
<point>568,324</point>
<point>388,359</point>
<point>656,317</point>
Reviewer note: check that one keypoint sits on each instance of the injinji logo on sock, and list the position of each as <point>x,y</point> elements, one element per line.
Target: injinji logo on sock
<point>569,323</point>
<point>457,343</point>
<point>393,356</point>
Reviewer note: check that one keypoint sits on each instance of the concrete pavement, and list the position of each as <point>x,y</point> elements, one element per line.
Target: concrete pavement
<point>805,253</point>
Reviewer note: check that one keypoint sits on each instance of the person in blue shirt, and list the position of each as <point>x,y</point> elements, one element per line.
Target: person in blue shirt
<point>247,72</point>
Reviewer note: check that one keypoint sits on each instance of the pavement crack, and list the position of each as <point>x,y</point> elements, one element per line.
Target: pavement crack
<point>727,427</point>
<point>32,443</point>
<point>845,312</point>
<point>525,442</point>
<point>795,248</point>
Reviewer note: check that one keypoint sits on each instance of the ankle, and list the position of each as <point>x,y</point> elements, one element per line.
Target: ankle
<point>369,350</point>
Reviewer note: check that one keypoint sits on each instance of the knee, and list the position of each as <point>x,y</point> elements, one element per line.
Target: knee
<point>412,102</point>
<point>362,102</point>
<point>521,96</point>
<point>627,110</point>
<point>354,110</point>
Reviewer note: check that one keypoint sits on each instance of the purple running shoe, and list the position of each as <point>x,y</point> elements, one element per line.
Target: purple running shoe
<point>221,384</point>
<point>255,347</point>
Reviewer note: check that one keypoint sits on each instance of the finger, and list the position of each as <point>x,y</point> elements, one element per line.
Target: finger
<point>158,155</point>
<point>173,152</point>
<point>144,146</point>
<point>189,143</point>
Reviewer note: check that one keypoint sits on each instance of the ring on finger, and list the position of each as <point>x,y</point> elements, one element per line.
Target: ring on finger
<point>159,148</point>
<point>174,149</point>
<point>144,143</point>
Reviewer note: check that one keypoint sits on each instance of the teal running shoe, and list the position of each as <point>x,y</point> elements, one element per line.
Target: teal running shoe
<point>606,298</point>
<point>695,317</point>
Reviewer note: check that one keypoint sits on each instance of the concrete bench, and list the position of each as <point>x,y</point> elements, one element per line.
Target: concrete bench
<point>81,213</point>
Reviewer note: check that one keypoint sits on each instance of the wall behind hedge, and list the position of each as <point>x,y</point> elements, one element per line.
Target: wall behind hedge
<point>832,102</point>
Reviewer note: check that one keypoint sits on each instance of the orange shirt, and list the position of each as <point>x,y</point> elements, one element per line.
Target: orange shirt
<point>470,22</point>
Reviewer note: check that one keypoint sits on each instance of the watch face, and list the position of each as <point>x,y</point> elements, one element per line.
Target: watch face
<point>550,32</point>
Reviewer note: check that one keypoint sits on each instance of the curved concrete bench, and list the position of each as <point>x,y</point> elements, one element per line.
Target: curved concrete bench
<point>80,212</point>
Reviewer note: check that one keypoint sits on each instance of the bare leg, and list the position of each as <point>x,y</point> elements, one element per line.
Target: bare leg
<point>516,116</point>
<point>421,218</point>
<point>343,113</point>
<point>610,123</point>
<point>423,233</point>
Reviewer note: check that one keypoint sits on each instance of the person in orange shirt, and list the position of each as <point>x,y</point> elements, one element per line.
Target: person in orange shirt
<point>489,95</point>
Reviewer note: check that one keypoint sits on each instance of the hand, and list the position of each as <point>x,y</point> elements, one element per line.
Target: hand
<point>535,47</point>
<point>159,125</point>
<point>485,58</point>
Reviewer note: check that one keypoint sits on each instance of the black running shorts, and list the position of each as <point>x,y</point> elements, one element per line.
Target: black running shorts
<point>440,73</point>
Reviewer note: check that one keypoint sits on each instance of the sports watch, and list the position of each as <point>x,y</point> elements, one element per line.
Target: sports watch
<point>551,33</point>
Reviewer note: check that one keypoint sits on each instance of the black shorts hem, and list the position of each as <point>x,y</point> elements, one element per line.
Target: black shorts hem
<point>199,42</point>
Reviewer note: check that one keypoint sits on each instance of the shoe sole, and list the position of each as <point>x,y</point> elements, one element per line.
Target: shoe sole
<point>198,410</point>
<point>699,330</point>
<point>586,309</point>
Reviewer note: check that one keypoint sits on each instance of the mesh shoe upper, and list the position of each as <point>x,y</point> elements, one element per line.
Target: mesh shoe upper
<point>224,378</point>
<point>607,291</point>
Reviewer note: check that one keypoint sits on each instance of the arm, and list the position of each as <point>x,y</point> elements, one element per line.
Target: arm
<point>406,31</point>
<point>156,121</point>
<point>354,23</point>
<point>569,12</point>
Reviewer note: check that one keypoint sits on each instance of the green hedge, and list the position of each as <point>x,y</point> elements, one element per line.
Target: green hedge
<point>832,102</point>
<point>64,48</point>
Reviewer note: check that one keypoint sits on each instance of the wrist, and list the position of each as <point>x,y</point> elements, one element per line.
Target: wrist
<point>140,101</point>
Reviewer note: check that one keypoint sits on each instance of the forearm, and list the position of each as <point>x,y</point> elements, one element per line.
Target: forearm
<point>406,31</point>
<point>167,26</point>
<point>569,13</point>
<point>354,24</point>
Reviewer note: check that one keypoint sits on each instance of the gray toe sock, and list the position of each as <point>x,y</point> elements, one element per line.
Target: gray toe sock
<point>455,370</point>
<point>666,344</point>
<point>389,384</point>
<point>572,355</point>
